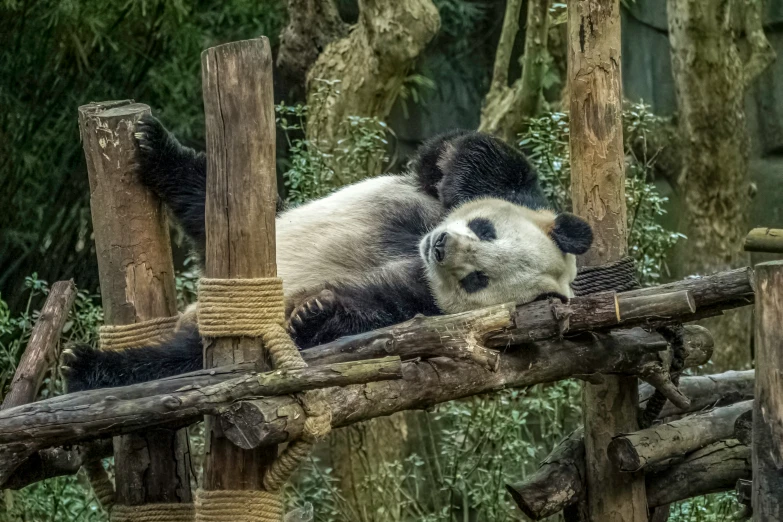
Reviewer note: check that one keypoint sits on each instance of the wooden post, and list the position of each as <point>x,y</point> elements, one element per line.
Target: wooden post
<point>768,406</point>
<point>137,284</point>
<point>240,215</point>
<point>40,351</point>
<point>598,193</point>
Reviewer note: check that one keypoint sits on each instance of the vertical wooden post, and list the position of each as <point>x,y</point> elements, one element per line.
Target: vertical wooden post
<point>137,284</point>
<point>598,193</point>
<point>767,496</point>
<point>240,215</point>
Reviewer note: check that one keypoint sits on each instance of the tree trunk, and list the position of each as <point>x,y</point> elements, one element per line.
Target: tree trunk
<point>711,77</point>
<point>506,108</point>
<point>137,284</point>
<point>598,193</point>
<point>370,64</point>
<point>240,217</point>
<point>768,407</point>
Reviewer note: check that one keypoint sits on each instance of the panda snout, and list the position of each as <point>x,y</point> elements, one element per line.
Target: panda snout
<point>439,246</point>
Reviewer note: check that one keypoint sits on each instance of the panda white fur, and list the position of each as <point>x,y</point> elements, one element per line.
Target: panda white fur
<point>467,226</point>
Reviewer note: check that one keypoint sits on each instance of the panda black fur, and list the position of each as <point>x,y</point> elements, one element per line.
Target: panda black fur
<point>467,226</point>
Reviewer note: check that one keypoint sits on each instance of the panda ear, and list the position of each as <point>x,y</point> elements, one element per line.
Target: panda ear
<point>571,234</point>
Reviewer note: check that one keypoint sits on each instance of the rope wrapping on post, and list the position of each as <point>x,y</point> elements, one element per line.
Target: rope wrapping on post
<point>145,333</point>
<point>153,513</point>
<point>125,337</point>
<point>255,308</point>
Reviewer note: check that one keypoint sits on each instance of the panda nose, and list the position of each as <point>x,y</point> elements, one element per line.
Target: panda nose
<point>439,246</point>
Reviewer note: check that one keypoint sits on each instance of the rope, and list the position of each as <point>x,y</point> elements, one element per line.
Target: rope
<point>618,276</point>
<point>121,337</point>
<point>239,506</point>
<point>255,308</point>
<point>101,483</point>
<point>153,513</point>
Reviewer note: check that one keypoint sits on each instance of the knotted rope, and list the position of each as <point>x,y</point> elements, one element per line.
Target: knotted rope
<point>145,333</point>
<point>255,308</point>
<point>153,513</point>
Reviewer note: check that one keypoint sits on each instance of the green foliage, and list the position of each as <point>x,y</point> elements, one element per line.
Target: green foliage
<point>466,451</point>
<point>546,142</point>
<point>63,499</point>
<point>717,507</point>
<point>61,54</point>
<point>312,172</point>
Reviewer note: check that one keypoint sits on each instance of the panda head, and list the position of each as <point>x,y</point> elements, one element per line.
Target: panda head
<point>490,251</point>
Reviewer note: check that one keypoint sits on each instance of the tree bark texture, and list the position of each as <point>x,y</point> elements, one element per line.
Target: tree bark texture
<point>41,351</point>
<point>370,64</point>
<point>598,194</point>
<point>711,76</point>
<point>312,25</point>
<point>706,391</point>
<point>137,284</point>
<point>634,451</point>
<point>768,406</point>
<point>506,108</point>
<point>240,217</point>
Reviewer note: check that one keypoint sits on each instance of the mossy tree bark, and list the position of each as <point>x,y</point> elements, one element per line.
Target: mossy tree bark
<point>712,74</point>
<point>505,108</point>
<point>370,64</point>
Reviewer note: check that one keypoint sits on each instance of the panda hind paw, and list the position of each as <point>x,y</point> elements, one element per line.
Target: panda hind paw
<point>78,363</point>
<point>306,319</point>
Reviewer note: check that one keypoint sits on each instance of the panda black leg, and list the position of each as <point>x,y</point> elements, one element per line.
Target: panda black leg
<point>86,368</point>
<point>177,174</point>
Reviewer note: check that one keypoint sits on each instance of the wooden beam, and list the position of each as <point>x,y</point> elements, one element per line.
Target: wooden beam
<point>137,284</point>
<point>240,218</point>
<point>634,451</point>
<point>712,469</point>
<point>424,384</point>
<point>764,240</point>
<point>59,423</point>
<point>706,391</point>
<point>598,195</point>
<point>768,405</point>
<point>41,348</point>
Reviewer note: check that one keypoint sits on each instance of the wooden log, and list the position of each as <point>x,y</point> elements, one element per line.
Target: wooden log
<point>46,424</point>
<point>424,384</point>
<point>598,195</point>
<point>240,217</point>
<point>439,380</point>
<point>137,284</point>
<point>669,303</point>
<point>768,405</point>
<point>708,470</point>
<point>559,480</point>
<point>57,462</point>
<point>706,391</point>
<point>764,240</point>
<point>712,469</point>
<point>743,428</point>
<point>634,451</point>
<point>41,348</point>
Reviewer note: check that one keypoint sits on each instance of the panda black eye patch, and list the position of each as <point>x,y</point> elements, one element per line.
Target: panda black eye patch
<point>483,228</point>
<point>474,281</point>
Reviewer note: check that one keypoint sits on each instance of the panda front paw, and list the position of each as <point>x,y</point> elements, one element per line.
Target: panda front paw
<point>78,364</point>
<point>308,320</point>
<point>155,144</point>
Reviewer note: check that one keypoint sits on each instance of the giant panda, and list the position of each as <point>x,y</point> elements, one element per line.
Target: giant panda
<point>465,226</point>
